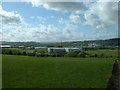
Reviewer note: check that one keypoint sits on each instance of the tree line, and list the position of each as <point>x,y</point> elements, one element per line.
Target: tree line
<point>43,53</point>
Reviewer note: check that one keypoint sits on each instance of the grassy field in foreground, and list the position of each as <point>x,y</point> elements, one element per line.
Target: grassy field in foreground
<point>55,72</point>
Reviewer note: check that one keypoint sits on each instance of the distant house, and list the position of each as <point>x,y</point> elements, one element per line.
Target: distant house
<point>21,47</point>
<point>73,50</point>
<point>28,47</point>
<point>30,51</point>
<point>5,46</point>
<point>40,47</point>
<point>93,45</point>
<point>56,50</point>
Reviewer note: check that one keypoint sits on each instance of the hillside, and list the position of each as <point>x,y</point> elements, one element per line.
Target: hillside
<point>107,42</point>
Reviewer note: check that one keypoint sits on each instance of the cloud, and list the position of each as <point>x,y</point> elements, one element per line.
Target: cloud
<point>9,17</point>
<point>50,33</point>
<point>99,15</point>
<point>102,14</point>
<point>61,21</point>
<point>41,33</point>
<point>39,18</point>
<point>59,6</point>
<point>75,18</point>
<point>32,17</point>
<point>70,27</point>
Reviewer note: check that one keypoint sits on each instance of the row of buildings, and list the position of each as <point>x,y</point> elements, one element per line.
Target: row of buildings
<point>52,50</point>
<point>49,49</point>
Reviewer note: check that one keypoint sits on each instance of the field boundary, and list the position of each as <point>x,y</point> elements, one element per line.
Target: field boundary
<point>114,82</point>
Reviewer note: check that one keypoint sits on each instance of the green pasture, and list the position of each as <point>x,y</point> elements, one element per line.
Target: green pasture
<point>106,52</point>
<point>55,72</point>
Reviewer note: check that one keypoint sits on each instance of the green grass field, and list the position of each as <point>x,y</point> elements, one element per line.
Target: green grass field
<point>55,72</point>
<point>108,53</point>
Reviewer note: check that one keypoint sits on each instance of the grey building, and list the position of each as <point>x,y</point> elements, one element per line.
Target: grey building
<point>55,50</point>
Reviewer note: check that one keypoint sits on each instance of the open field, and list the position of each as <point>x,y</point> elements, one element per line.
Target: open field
<point>56,72</point>
<point>107,53</point>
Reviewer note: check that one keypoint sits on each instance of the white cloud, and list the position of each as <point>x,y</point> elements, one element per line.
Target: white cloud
<point>99,15</point>
<point>102,14</point>
<point>41,18</point>
<point>59,6</point>
<point>52,16</point>
<point>41,33</point>
<point>32,17</point>
<point>75,18</point>
<point>9,17</point>
<point>107,0</point>
<point>61,21</point>
<point>70,27</point>
<point>48,33</point>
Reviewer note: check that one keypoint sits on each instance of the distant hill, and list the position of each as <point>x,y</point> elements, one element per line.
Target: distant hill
<point>107,42</point>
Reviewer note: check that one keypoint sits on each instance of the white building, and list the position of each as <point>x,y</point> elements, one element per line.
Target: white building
<point>73,49</point>
<point>55,50</point>
<point>5,46</point>
<point>21,47</point>
<point>93,45</point>
<point>40,47</point>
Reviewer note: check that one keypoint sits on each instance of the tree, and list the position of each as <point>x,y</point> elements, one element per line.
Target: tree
<point>102,55</point>
<point>24,53</point>
<point>71,54</point>
<point>81,54</point>
<point>42,50</point>
<point>10,52</point>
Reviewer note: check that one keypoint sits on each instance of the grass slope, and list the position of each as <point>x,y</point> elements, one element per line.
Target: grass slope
<point>55,72</point>
<point>113,53</point>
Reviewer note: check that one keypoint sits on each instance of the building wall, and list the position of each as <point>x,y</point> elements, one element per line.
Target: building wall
<point>53,50</point>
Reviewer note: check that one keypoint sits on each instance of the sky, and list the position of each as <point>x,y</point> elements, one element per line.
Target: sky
<point>58,21</point>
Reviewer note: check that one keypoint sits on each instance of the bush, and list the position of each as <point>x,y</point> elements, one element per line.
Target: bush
<point>71,54</point>
<point>24,53</point>
<point>102,55</point>
<point>91,55</point>
<point>16,52</point>
<point>118,57</point>
<point>55,55</point>
<point>107,56</point>
<point>94,55</point>
<point>40,54</point>
<point>111,56</point>
<point>10,52</point>
<point>42,50</point>
<point>81,54</point>
<point>47,54</point>
<point>7,51</point>
<point>31,54</point>
<point>37,54</point>
<point>62,54</point>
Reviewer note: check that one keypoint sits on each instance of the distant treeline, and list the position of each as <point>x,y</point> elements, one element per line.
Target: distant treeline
<point>43,53</point>
<point>108,42</point>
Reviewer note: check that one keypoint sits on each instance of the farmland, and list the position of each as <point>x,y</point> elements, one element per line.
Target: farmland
<point>107,53</point>
<point>56,72</point>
